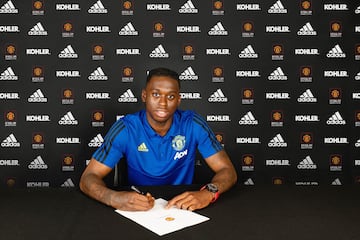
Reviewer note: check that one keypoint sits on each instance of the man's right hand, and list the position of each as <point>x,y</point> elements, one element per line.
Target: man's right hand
<point>132,201</point>
<point>92,184</point>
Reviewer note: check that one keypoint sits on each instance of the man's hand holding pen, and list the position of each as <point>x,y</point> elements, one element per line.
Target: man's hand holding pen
<point>135,200</point>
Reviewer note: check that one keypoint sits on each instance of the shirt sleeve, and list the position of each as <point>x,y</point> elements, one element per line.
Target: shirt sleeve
<point>207,142</point>
<point>112,149</point>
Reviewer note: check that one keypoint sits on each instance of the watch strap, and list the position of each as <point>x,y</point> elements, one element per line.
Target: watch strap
<point>216,194</point>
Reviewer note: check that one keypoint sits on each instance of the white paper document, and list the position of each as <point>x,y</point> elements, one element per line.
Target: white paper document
<point>163,221</point>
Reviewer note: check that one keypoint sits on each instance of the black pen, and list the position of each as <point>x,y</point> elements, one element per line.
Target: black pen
<point>137,190</point>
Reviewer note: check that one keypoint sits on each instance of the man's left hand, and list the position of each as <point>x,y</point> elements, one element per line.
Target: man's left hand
<point>191,200</point>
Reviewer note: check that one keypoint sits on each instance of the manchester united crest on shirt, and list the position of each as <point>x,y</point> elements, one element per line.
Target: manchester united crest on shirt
<point>178,143</point>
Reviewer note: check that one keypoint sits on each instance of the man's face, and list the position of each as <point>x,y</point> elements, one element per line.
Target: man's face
<point>161,97</point>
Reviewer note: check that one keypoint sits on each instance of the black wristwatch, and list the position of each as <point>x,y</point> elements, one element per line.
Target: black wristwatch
<point>213,189</point>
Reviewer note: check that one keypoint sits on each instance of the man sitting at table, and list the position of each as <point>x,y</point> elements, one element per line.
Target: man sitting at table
<point>159,144</point>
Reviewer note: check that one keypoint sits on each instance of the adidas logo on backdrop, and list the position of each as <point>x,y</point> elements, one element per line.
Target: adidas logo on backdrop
<point>357,10</point>
<point>8,75</point>
<point>68,52</point>
<point>188,74</point>
<point>307,30</point>
<point>218,30</point>
<point>218,96</point>
<point>128,30</point>
<point>9,7</point>
<point>96,141</point>
<point>277,75</point>
<point>37,30</point>
<point>37,96</point>
<point>68,183</point>
<point>68,119</point>
<point>98,75</point>
<point>127,96</point>
<point>336,52</point>
<point>249,182</point>
<point>277,141</point>
<point>336,119</point>
<point>248,52</point>
<point>307,96</point>
<point>98,7</point>
<point>248,119</point>
<point>38,163</point>
<point>306,163</point>
<point>357,76</point>
<point>336,182</point>
<point>10,141</point>
<point>188,7</point>
<point>357,143</point>
<point>277,7</point>
<point>159,52</point>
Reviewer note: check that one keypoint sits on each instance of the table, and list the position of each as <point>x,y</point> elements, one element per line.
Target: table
<point>249,213</point>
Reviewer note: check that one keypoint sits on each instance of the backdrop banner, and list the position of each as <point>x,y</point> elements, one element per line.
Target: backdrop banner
<point>278,82</point>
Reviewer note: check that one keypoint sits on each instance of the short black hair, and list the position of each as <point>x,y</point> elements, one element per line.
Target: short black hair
<point>161,71</point>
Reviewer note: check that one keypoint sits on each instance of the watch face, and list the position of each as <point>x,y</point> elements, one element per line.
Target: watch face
<point>212,187</point>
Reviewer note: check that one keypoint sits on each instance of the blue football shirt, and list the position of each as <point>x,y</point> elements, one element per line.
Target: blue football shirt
<point>158,160</point>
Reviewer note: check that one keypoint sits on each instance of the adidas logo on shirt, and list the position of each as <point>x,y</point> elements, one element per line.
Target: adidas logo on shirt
<point>128,30</point>
<point>277,141</point>
<point>96,141</point>
<point>277,75</point>
<point>98,7</point>
<point>307,96</point>
<point>307,30</point>
<point>218,30</point>
<point>142,148</point>
<point>68,119</point>
<point>8,7</point>
<point>8,75</point>
<point>336,52</point>
<point>248,52</point>
<point>306,163</point>
<point>159,52</point>
<point>68,52</point>
<point>10,141</point>
<point>249,182</point>
<point>98,75</point>
<point>127,96</point>
<point>37,30</point>
<point>248,119</point>
<point>38,163</point>
<point>218,96</point>
<point>37,96</point>
<point>336,119</point>
<point>188,7</point>
<point>277,7</point>
<point>68,183</point>
<point>188,74</point>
